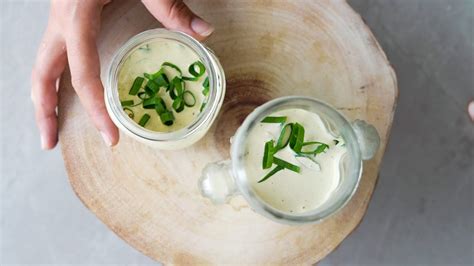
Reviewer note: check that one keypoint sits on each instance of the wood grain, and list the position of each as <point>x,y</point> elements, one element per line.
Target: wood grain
<point>268,49</point>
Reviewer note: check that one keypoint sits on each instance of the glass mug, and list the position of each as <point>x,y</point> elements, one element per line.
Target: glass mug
<point>222,180</point>
<point>195,130</point>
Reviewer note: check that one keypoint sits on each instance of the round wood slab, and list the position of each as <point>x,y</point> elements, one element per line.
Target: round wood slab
<point>268,49</point>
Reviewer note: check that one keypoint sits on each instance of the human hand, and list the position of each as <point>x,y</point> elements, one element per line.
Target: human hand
<point>70,37</point>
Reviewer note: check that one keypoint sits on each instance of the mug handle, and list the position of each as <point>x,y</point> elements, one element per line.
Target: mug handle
<point>217,182</point>
<point>368,138</point>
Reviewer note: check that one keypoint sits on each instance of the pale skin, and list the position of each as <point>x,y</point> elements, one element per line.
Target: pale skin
<point>70,39</point>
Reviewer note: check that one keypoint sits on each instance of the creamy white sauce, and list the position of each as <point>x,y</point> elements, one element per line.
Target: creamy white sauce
<point>148,58</point>
<point>287,190</point>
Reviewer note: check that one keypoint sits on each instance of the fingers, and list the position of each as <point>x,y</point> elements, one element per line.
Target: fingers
<point>50,63</point>
<point>85,75</point>
<point>174,14</point>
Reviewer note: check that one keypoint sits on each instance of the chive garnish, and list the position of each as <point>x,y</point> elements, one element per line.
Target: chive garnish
<point>137,84</point>
<point>192,70</point>
<point>126,103</point>
<point>176,87</point>
<point>297,137</point>
<point>274,119</point>
<point>205,84</point>
<point>285,164</point>
<point>272,172</point>
<point>285,135</point>
<point>178,104</point>
<point>268,152</point>
<point>203,105</point>
<point>142,95</point>
<point>319,149</point>
<point>160,106</point>
<point>153,86</point>
<point>168,64</point>
<point>167,118</point>
<point>189,99</point>
<point>129,112</point>
<point>144,120</point>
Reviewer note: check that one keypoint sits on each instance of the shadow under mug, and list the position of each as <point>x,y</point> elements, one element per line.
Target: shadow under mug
<point>222,180</point>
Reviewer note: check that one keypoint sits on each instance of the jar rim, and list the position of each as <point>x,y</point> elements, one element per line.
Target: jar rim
<point>215,75</point>
<point>238,164</point>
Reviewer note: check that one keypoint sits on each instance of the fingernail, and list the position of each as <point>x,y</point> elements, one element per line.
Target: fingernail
<point>43,143</point>
<point>106,139</point>
<point>470,110</point>
<point>201,27</point>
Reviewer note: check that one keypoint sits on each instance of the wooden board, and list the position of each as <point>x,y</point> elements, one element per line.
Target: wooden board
<point>268,49</point>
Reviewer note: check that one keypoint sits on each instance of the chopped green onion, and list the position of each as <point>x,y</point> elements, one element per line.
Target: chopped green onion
<point>144,120</point>
<point>189,99</point>
<point>161,79</point>
<point>274,119</point>
<point>285,164</point>
<point>126,103</point>
<point>297,137</point>
<point>178,104</point>
<point>192,70</point>
<point>321,147</point>
<point>129,112</point>
<point>268,154</point>
<point>168,64</point>
<point>137,84</point>
<point>272,172</point>
<point>145,47</point>
<point>160,106</point>
<point>285,135</point>
<point>176,87</point>
<point>205,84</point>
<point>167,118</point>
<point>151,102</point>
<point>201,67</point>
<point>142,95</point>
<point>203,105</point>
<point>153,86</point>
<point>336,142</point>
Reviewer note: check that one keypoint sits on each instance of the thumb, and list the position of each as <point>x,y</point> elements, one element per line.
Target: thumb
<point>175,15</point>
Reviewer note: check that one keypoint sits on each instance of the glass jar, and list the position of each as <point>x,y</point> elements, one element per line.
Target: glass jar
<point>196,129</point>
<point>222,180</point>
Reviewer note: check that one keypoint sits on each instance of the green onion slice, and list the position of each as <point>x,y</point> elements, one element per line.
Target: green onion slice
<point>126,103</point>
<point>200,66</point>
<point>272,172</point>
<point>203,105</point>
<point>189,99</point>
<point>297,137</point>
<point>153,86</point>
<point>129,112</point>
<point>319,149</point>
<point>274,119</point>
<point>196,74</point>
<point>151,102</point>
<point>173,66</point>
<point>205,84</point>
<point>178,104</point>
<point>284,137</point>
<point>167,118</point>
<point>160,106</point>
<point>137,84</point>
<point>285,164</point>
<point>143,95</point>
<point>144,120</point>
<point>268,154</point>
<point>176,88</point>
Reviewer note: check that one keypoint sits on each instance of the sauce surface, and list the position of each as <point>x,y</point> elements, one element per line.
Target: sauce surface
<point>287,190</point>
<point>148,58</point>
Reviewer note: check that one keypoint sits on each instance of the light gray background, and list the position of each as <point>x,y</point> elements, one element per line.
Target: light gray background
<point>422,208</point>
